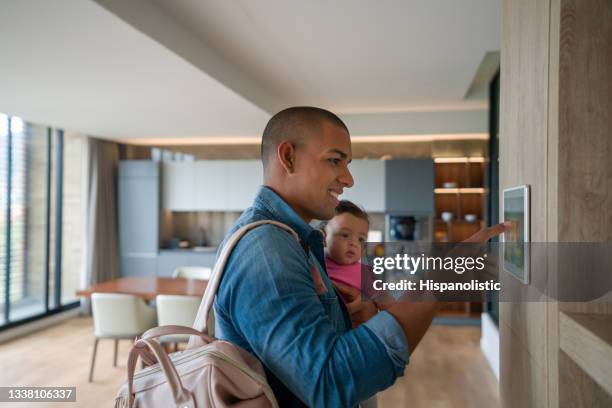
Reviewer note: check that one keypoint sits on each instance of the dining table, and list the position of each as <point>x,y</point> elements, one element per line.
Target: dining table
<point>148,287</point>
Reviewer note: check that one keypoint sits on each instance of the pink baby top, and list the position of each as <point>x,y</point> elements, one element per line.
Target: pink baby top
<point>350,275</point>
<point>347,274</point>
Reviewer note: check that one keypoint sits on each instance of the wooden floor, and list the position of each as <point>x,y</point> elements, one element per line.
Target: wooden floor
<point>447,370</point>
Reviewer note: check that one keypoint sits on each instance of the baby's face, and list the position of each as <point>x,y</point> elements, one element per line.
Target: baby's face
<point>345,238</point>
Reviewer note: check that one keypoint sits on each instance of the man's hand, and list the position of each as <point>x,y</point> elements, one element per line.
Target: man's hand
<point>360,311</point>
<point>486,234</point>
<point>415,316</point>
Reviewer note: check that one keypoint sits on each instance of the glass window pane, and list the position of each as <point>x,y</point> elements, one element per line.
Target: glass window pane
<point>72,216</point>
<point>33,206</point>
<point>28,220</point>
<point>52,229</point>
<point>3,204</point>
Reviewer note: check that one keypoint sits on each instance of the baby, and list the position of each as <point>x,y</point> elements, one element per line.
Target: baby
<point>345,237</point>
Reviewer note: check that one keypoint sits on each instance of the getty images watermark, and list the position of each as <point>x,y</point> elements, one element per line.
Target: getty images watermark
<point>423,264</point>
<point>513,272</point>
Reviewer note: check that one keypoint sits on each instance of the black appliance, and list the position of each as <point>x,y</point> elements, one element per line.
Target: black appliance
<point>402,228</point>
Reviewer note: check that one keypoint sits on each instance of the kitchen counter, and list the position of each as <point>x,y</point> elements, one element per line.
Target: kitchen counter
<point>170,259</point>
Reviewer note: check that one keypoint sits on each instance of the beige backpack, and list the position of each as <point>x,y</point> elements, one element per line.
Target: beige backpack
<point>210,372</point>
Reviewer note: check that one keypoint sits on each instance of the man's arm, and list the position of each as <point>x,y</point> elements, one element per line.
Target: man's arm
<point>413,315</point>
<point>269,297</point>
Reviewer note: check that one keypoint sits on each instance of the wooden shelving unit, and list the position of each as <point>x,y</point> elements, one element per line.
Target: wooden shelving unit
<point>587,339</point>
<point>467,196</point>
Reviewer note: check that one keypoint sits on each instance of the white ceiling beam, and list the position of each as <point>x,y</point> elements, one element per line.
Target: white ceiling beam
<point>151,20</point>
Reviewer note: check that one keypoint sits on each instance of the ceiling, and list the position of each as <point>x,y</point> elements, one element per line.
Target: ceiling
<point>353,56</point>
<point>189,68</point>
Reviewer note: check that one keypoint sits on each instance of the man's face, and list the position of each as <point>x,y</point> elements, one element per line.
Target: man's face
<point>321,172</point>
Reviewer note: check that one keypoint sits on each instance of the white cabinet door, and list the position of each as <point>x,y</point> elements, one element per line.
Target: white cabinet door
<point>245,177</point>
<point>169,260</point>
<point>178,186</point>
<point>211,185</point>
<point>369,188</point>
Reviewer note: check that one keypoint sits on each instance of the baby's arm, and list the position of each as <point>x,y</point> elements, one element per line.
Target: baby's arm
<point>360,309</point>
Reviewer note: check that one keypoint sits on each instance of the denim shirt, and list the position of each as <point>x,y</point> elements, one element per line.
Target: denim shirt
<point>267,304</point>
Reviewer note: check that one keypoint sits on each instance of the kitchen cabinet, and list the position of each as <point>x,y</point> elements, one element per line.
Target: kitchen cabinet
<point>178,186</point>
<point>211,185</point>
<point>244,179</point>
<point>369,188</point>
<point>138,264</point>
<point>203,259</point>
<point>409,186</point>
<point>169,260</point>
<point>394,186</point>
<point>138,217</point>
<point>195,186</point>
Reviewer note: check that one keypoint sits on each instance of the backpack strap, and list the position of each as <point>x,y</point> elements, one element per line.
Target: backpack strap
<point>202,320</point>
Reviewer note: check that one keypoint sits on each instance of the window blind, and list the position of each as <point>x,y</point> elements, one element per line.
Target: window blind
<point>18,206</point>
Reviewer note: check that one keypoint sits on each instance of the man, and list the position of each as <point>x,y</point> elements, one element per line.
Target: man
<point>268,302</point>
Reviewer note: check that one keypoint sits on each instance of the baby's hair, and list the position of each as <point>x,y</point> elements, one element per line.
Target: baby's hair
<point>346,206</point>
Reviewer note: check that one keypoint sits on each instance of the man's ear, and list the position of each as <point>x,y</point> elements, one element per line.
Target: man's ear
<point>286,156</point>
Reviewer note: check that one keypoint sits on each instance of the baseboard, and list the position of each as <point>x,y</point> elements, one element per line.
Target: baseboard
<point>37,325</point>
<point>489,342</point>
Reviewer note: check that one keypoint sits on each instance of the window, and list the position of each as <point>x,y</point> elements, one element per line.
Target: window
<point>33,251</point>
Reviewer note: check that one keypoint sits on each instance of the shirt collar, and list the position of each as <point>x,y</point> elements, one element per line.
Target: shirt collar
<point>269,201</point>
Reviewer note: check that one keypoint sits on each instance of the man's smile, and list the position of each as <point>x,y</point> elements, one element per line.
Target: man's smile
<point>335,195</point>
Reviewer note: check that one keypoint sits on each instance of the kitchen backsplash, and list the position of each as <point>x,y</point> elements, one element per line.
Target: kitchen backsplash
<point>208,228</point>
<point>205,228</point>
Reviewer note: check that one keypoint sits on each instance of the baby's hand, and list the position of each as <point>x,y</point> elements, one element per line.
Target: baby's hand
<point>360,310</point>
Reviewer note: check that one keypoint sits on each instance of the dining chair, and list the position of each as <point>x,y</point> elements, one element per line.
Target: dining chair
<point>176,310</point>
<point>118,316</point>
<point>192,272</point>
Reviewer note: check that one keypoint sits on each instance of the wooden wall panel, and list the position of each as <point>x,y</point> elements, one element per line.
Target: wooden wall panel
<point>523,382</point>
<point>579,390</point>
<point>585,121</point>
<point>556,135</point>
<point>523,160</point>
<point>523,104</point>
<point>552,322</point>
<point>584,136</point>
<point>585,128</point>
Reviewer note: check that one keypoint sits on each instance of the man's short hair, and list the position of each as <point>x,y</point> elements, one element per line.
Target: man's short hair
<point>295,124</point>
